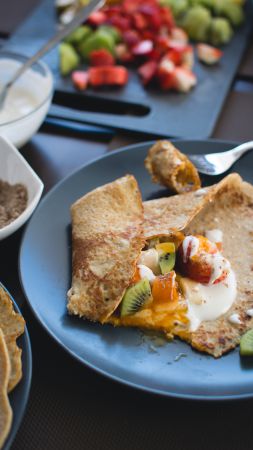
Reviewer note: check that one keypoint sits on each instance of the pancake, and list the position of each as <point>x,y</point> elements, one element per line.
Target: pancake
<point>5,409</point>
<point>107,238</point>
<point>12,325</point>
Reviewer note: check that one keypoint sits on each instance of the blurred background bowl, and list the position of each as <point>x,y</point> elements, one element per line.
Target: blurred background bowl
<point>15,169</point>
<point>38,83</point>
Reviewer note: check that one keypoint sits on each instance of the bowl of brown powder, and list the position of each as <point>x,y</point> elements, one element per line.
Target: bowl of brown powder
<point>20,189</point>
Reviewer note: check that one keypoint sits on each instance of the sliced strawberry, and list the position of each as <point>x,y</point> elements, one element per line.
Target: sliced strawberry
<point>97,18</point>
<point>131,37</point>
<point>80,79</point>
<point>183,79</point>
<point>143,48</point>
<point>167,17</point>
<point>147,71</point>
<point>140,21</point>
<point>123,53</point>
<point>162,44</point>
<point>179,35</point>
<point>120,22</point>
<point>165,74</point>
<point>101,58</point>
<point>208,54</point>
<point>188,57</point>
<point>105,76</point>
<point>174,55</point>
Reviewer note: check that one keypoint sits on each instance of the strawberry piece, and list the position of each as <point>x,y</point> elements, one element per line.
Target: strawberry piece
<point>131,37</point>
<point>101,58</point>
<point>143,48</point>
<point>108,75</point>
<point>139,20</point>
<point>188,57</point>
<point>179,35</point>
<point>147,71</point>
<point>174,55</point>
<point>123,53</point>
<point>80,79</point>
<point>162,44</point>
<point>120,22</point>
<point>165,74</point>
<point>208,54</point>
<point>183,79</point>
<point>167,17</point>
<point>129,6</point>
<point>97,18</point>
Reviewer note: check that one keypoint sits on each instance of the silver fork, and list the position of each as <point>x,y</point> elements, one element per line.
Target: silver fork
<point>218,163</point>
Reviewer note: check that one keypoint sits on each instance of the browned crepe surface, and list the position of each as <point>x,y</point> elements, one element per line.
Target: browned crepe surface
<point>107,239</point>
<point>5,409</point>
<point>232,212</point>
<point>171,168</point>
<point>227,206</point>
<point>12,325</point>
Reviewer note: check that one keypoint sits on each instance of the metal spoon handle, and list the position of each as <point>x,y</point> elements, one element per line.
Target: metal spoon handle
<point>61,34</point>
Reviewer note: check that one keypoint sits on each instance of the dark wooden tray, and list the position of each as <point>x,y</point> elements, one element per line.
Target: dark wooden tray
<point>133,107</point>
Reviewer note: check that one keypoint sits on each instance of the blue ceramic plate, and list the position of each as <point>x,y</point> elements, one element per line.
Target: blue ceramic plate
<point>19,396</point>
<point>122,354</point>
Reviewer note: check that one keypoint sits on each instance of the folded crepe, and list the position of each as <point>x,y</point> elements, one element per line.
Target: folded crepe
<point>107,238</point>
<point>110,230</point>
<point>5,409</point>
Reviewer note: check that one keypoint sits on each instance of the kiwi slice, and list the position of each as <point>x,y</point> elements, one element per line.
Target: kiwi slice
<point>246,344</point>
<point>135,297</point>
<point>167,262</point>
<point>69,59</point>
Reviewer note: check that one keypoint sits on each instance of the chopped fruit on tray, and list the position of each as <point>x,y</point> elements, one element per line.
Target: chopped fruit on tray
<point>80,79</point>
<point>144,35</point>
<point>208,54</point>
<point>108,76</point>
<point>153,37</point>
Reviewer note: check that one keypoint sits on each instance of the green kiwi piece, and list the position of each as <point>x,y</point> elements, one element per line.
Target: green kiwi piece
<point>79,35</point>
<point>246,344</point>
<point>167,262</point>
<point>69,59</point>
<point>135,297</point>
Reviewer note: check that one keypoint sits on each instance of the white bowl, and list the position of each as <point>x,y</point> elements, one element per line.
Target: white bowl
<point>37,82</point>
<point>15,169</point>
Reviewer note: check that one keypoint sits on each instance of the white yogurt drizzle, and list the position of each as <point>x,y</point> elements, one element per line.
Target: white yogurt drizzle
<point>249,312</point>
<point>235,319</point>
<point>194,243</point>
<point>214,235</point>
<point>208,302</point>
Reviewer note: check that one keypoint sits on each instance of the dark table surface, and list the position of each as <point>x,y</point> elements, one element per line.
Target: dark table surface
<point>70,406</point>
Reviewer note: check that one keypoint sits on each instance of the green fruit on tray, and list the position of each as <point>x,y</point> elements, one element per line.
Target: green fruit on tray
<point>196,23</point>
<point>99,39</point>
<point>220,31</point>
<point>79,35</point>
<point>112,31</point>
<point>178,7</point>
<point>69,59</point>
<point>233,12</point>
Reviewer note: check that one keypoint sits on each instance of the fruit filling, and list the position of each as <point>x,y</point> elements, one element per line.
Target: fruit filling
<point>176,285</point>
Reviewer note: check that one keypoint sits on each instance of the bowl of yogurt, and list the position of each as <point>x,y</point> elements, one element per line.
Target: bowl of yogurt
<point>28,99</point>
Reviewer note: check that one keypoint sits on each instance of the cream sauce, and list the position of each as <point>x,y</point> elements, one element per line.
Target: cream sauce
<point>235,319</point>
<point>150,259</point>
<point>214,235</point>
<point>194,243</point>
<point>208,302</point>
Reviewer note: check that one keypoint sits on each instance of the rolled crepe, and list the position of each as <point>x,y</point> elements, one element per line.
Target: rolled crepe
<point>107,238</point>
<point>171,168</point>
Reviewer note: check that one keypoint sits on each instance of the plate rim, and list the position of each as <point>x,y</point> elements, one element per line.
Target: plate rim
<point>111,376</point>
<point>18,417</point>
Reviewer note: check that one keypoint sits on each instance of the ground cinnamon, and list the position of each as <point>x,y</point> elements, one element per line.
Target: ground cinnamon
<point>13,201</point>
